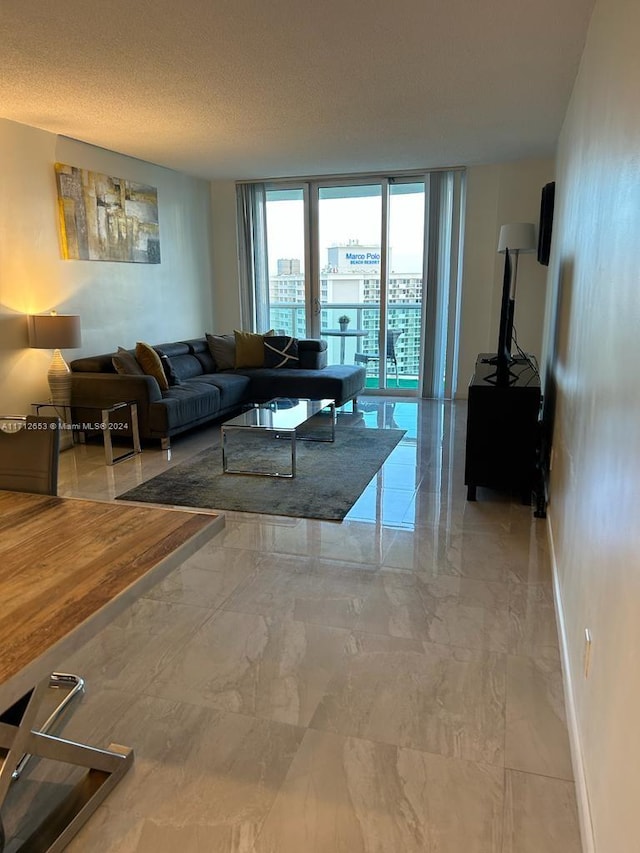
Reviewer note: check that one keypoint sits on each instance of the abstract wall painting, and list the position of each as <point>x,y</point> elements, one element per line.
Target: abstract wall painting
<point>107,219</point>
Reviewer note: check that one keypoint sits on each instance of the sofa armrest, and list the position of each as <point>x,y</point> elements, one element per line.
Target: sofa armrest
<point>91,388</point>
<point>94,389</point>
<point>312,353</point>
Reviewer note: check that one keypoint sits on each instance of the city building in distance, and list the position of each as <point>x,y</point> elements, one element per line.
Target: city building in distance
<point>350,285</point>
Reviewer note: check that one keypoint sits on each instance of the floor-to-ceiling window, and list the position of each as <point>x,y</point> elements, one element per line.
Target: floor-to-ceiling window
<point>369,264</point>
<point>288,277</point>
<point>349,257</point>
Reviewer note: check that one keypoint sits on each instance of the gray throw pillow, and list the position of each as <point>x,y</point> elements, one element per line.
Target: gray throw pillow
<point>223,350</point>
<point>126,364</point>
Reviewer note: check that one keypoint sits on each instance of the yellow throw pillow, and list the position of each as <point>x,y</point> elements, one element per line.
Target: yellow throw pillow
<point>149,361</point>
<point>250,348</point>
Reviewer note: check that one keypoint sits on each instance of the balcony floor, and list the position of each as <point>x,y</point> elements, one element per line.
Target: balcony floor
<point>408,383</point>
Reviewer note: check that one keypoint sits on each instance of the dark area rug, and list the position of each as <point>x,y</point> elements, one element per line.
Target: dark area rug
<point>329,477</point>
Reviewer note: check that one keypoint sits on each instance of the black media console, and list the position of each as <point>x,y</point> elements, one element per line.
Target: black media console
<point>502,429</point>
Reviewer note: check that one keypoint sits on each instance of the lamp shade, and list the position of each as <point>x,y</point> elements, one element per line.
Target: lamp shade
<point>54,331</point>
<point>519,236</point>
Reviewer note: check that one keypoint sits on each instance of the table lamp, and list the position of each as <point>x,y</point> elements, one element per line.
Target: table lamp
<point>56,332</point>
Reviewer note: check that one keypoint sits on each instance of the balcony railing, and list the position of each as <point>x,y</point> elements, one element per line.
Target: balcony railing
<point>289,318</point>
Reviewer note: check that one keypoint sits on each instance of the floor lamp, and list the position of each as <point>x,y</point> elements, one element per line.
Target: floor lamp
<point>56,332</point>
<point>514,239</point>
<point>519,238</point>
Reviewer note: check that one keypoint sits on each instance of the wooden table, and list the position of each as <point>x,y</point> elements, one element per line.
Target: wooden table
<point>67,568</point>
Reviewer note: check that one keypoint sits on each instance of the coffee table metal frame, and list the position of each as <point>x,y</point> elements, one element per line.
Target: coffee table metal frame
<point>280,418</point>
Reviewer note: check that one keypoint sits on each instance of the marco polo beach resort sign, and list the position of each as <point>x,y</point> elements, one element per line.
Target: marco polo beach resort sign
<point>363,258</point>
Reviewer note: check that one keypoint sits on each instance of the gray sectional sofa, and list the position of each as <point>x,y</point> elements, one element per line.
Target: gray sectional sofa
<point>203,393</point>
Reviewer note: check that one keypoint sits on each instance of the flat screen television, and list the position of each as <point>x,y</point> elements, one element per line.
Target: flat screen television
<point>545,226</point>
<point>503,360</point>
<point>506,315</point>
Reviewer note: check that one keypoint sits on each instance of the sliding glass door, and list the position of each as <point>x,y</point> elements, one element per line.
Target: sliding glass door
<point>404,283</point>
<point>371,249</point>
<point>347,261</point>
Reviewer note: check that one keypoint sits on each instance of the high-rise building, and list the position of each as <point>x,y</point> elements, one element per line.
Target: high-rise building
<point>353,258</point>
<point>350,283</point>
<point>288,266</point>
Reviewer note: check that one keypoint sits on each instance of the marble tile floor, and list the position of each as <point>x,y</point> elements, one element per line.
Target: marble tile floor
<point>388,684</point>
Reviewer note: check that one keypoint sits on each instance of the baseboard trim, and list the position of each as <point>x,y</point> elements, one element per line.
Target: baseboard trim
<point>577,762</point>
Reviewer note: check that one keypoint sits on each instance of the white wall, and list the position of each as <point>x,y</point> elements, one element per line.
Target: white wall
<point>496,195</point>
<point>593,346</point>
<point>119,303</point>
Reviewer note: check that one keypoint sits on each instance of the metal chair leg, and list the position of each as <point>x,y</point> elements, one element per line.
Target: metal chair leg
<point>57,681</point>
<point>104,769</point>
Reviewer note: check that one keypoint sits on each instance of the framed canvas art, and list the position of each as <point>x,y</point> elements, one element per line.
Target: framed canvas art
<point>103,218</point>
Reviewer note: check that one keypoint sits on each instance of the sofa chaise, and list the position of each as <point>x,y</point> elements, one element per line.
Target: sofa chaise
<point>203,392</point>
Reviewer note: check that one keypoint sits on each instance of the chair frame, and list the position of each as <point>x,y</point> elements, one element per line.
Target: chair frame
<point>40,427</point>
<point>392,339</point>
<point>49,426</point>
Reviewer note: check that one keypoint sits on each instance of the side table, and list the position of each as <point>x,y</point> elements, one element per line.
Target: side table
<point>105,425</point>
<point>347,333</point>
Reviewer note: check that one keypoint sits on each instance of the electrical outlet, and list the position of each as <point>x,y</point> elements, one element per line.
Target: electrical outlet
<point>587,652</point>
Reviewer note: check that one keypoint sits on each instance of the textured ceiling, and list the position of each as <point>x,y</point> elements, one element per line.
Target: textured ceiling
<point>266,88</point>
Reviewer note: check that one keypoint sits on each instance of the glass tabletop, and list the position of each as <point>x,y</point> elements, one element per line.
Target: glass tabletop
<point>282,413</point>
<point>109,407</point>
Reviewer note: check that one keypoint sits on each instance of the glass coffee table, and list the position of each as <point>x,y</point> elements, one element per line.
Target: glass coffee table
<point>279,418</point>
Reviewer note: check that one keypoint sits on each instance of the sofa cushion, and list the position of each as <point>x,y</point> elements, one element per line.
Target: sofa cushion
<point>126,363</point>
<point>280,351</point>
<point>312,353</point>
<point>233,388</point>
<point>183,363</point>
<point>169,372</point>
<point>339,382</point>
<point>223,350</point>
<point>173,349</point>
<point>199,348</point>
<point>312,345</point>
<point>150,362</point>
<point>189,403</point>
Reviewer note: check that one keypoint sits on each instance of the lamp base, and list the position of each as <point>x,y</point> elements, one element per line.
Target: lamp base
<point>59,376</point>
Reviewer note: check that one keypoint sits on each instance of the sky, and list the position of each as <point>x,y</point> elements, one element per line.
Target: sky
<point>344,219</point>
